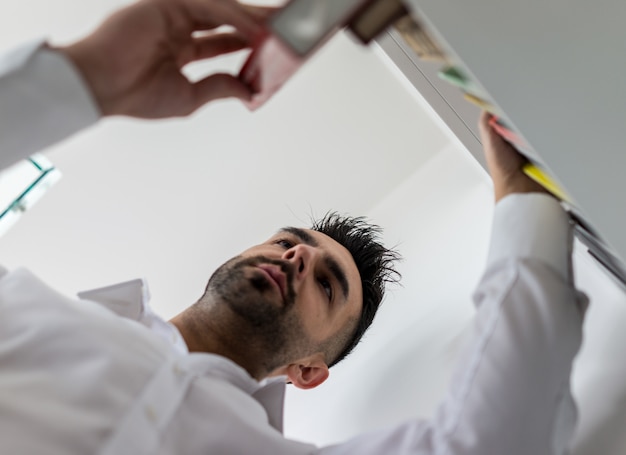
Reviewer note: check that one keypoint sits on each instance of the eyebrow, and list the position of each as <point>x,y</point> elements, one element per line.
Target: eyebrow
<point>333,266</point>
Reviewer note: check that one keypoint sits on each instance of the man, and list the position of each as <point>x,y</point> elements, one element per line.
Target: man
<point>83,376</point>
<point>303,295</point>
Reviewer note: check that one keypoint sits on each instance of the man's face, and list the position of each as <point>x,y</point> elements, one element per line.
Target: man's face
<point>294,292</point>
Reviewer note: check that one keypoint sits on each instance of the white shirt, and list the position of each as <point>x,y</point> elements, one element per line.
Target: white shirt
<point>39,90</point>
<point>102,374</point>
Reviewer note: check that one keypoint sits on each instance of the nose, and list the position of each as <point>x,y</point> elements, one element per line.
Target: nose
<point>302,257</point>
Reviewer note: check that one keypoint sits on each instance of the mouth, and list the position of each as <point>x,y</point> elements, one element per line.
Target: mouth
<point>276,276</point>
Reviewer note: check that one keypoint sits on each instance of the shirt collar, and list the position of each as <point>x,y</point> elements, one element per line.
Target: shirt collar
<point>269,393</point>
<point>127,299</point>
<point>130,300</point>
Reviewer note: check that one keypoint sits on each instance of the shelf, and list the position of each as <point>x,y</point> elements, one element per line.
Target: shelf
<point>552,75</point>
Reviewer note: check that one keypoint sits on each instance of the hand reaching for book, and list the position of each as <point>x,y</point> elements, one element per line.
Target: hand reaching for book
<point>505,163</point>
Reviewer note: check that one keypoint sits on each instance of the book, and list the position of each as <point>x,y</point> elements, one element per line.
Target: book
<point>374,17</point>
<point>418,39</point>
<point>294,33</point>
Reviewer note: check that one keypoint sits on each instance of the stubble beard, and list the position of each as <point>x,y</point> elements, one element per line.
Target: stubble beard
<point>263,321</point>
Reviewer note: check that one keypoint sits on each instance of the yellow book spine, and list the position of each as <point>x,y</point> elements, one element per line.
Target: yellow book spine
<point>481,103</point>
<point>544,180</point>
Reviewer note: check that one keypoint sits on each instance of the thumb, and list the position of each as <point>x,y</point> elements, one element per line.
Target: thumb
<point>219,86</point>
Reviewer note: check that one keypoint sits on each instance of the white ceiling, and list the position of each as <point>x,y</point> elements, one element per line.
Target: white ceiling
<point>171,200</point>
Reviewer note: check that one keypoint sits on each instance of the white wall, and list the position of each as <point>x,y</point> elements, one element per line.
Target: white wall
<point>599,379</point>
<point>440,219</point>
<point>401,369</point>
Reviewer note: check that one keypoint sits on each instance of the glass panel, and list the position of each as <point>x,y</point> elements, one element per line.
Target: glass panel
<point>22,185</point>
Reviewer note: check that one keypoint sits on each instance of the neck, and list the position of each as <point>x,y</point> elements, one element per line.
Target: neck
<point>211,335</point>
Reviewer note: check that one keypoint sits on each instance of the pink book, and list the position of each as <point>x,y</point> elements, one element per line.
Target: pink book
<point>295,32</point>
<point>268,67</point>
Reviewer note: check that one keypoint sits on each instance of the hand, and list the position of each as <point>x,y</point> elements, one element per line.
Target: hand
<point>505,163</point>
<point>133,61</point>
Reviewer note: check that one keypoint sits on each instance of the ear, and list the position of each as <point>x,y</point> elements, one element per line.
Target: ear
<point>309,372</point>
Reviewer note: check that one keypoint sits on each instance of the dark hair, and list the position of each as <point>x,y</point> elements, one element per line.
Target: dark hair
<point>374,262</point>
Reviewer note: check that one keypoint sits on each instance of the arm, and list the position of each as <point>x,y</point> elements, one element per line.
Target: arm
<point>131,65</point>
<point>40,91</point>
<point>510,391</point>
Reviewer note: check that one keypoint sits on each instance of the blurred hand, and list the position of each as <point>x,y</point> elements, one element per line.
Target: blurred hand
<point>505,163</point>
<point>133,61</point>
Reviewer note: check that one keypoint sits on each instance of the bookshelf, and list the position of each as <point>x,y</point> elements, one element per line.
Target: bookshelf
<point>555,73</point>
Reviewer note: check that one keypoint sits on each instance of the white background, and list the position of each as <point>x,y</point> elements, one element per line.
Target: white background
<point>172,200</point>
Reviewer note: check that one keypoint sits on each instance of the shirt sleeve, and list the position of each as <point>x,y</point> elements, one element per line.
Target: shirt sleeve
<point>510,391</point>
<point>43,100</point>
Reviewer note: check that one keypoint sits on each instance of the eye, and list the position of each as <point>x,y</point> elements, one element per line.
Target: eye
<point>328,289</point>
<point>286,244</point>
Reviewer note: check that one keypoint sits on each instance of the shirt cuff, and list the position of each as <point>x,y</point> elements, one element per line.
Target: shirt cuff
<point>46,101</point>
<point>532,226</point>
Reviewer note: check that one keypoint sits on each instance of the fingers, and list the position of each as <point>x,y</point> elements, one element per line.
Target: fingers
<point>505,163</point>
<point>219,86</point>
<point>205,47</point>
<point>501,156</point>
<point>208,14</point>
<point>485,128</point>
<point>492,141</point>
<point>261,13</point>
<point>214,45</point>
